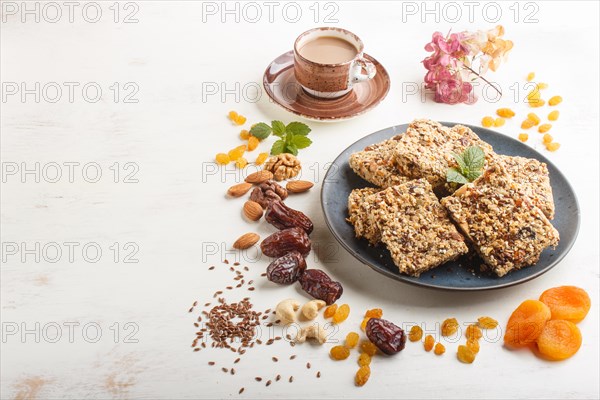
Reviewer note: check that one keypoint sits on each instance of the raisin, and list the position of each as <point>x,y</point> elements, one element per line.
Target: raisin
<point>364,359</point>
<point>473,332</point>
<point>552,146</point>
<point>487,121</point>
<point>523,137</point>
<point>286,269</point>
<point>241,162</point>
<point>498,122</point>
<point>415,334</point>
<point>268,191</point>
<point>559,340</point>
<point>222,159</point>
<point>554,100</point>
<point>363,324</point>
<point>439,349</point>
<point>252,143</point>
<point>428,343</point>
<point>505,113</point>
<point>526,323</point>
<point>282,242</point>
<point>330,311</point>
<point>547,138</point>
<point>388,337</point>
<point>533,118</point>
<point>374,313</point>
<point>282,217</point>
<point>465,355</point>
<point>527,124</point>
<point>487,322</point>
<point>319,285</point>
<point>352,340</point>
<point>449,327</point>
<point>262,157</point>
<point>236,153</point>
<point>341,314</point>
<point>553,116</point>
<point>362,375</point>
<point>473,345</point>
<point>530,76</point>
<point>367,347</point>
<point>244,134</point>
<point>339,352</point>
<point>567,302</point>
<point>544,128</point>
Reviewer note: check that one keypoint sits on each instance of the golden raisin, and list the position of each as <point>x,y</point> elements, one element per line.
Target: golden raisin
<point>352,340</point>
<point>473,332</point>
<point>262,157</point>
<point>553,116</point>
<point>252,143</point>
<point>499,122</point>
<point>374,313</point>
<point>364,359</point>
<point>363,324</point>
<point>236,153</point>
<point>439,349</point>
<point>554,100</point>
<point>341,314</point>
<point>487,121</point>
<point>530,76</point>
<point>339,352</point>
<point>487,322</point>
<point>244,134</point>
<point>473,345</point>
<point>241,162</point>
<point>527,124</point>
<point>465,354</point>
<point>552,146</point>
<point>232,115</point>
<point>533,118</point>
<point>415,334</point>
<point>537,103</point>
<point>449,327</point>
<point>523,137</point>
<point>330,311</point>
<point>222,158</point>
<point>542,85</point>
<point>240,120</point>
<point>547,138</point>
<point>367,347</point>
<point>428,343</point>
<point>544,128</point>
<point>505,113</point>
<point>362,375</point>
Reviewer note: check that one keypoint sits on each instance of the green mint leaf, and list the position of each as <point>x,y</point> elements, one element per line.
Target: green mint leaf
<point>472,175</point>
<point>291,148</point>
<point>278,147</point>
<point>297,128</point>
<point>261,130</point>
<point>301,142</point>
<point>462,166</point>
<point>474,157</point>
<point>278,128</point>
<point>454,175</point>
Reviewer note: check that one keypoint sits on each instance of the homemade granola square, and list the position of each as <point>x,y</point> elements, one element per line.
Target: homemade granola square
<point>376,165</point>
<point>358,217</point>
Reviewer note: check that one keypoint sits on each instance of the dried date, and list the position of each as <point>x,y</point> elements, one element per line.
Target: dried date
<point>320,286</point>
<point>268,191</point>
<point>287,269</point>
<point>282,242</point>
<point>388,337</point>
<point>282,217</point>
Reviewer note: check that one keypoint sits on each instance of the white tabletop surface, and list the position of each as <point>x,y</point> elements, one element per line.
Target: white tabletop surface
<point>173,54</point>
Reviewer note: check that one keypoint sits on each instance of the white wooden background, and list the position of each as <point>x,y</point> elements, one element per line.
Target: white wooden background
<point>175,54</point>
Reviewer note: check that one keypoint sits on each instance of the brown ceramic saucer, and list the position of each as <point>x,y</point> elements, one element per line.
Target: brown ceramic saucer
<point>281,86</point>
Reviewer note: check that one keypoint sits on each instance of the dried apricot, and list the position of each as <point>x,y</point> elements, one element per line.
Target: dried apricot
<point>367,347</point>
<point>352,340</point>
<point>222,159</point>
<point>415,334</point>
<point>523,137</point>
<point>527,124</point>
<point>487,322</point>
<point>567,302</point>
<point>559,340</point>
<point>362,375</point>
<point>473,345</point>
<point>505,113</point>
<point>252,143</point>
<point>341,314</point>
<point>465,355</point>
<point>473,332</point>
<point>364,359</point>
<point>449,327</point>
<point>487,121</point>
<point>428,343</point>
<point>262,157</point>
<point>241,162</point>
<point>498,122</point>
<point>547,139</point>
<point>533,118</point>
<point>244,134</point>
<point>339,352</point>
<point>544,128</point>
<point>330,311</point>
<point>374,313</point>
<point>552,146</point>
<point>526,323</point>
<point>363,324</point>
<point>236,153</point>
<point>439,349</point>
<point>554,100</point>
<point>530,76</point>
<point>553,116</point>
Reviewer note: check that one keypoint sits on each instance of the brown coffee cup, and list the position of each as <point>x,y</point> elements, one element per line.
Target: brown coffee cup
<point>330,79</point>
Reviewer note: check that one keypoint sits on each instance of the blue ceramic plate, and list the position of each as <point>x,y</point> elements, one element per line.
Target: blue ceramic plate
<point>462,274</point>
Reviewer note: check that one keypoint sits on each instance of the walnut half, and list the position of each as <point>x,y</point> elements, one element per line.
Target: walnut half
<point>283,166</point>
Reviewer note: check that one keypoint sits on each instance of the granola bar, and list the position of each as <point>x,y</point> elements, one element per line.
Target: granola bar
<point>425,151</point>
<point>375,164</point>
<point>358,217</point>
<point>415,227</point>
<point>506,229</point>
<point>534,177</point>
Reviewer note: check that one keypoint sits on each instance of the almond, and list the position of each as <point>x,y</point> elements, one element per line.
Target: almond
<point>298,186</point>
<point>246,241</point>
<point>259,177</point>
<point>252,210</point>
<point>239,190</point>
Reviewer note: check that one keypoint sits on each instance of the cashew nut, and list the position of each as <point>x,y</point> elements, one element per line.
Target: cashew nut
<point>311,309</point>
<point>315,331</point>
<point>286,311</point>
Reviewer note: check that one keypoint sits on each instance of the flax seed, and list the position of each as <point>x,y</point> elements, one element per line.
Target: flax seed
<point>292,357</point>
<point>211,363</point>
<point>211,268</point>
<point>237,360</point>
<point>291,379</point>
<point>274,359</point>
<point>226,370</point>
<point>319,374</point>
<point>258,379</point>
<point>268,383</point>
<point>308,365</point>
<point>241,391</point>
<point>197,349</point>
<point>277,378</point>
